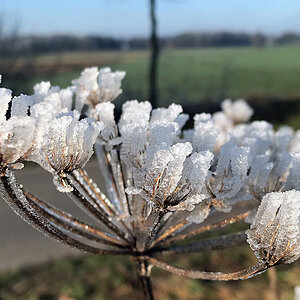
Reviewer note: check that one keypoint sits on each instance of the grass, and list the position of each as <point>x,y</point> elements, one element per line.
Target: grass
<point>187,75</point>
<point>98,277</point>
<point>214,74</point>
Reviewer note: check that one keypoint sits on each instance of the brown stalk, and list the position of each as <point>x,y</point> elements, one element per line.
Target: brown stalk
<point>74,177</point>
<point>100,216</point>
<point>99,196</point>
<point>220,243</point>
<point>239,275</point>
<point>70,223</point>
<point>168,232</point>
<point>210,227</point>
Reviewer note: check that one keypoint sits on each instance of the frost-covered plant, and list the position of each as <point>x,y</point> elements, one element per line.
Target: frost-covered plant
<point>163,183</point>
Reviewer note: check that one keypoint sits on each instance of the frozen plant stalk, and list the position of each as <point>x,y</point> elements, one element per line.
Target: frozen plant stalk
<point>163,183</point>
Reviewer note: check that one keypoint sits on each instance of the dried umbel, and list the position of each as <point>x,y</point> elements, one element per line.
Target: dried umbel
<point>163,183</point>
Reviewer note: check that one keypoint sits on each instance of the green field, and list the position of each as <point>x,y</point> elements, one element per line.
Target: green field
<point>186,75</point>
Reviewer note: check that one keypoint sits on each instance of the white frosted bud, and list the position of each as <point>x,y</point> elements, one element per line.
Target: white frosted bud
<point>95,86</point>
<point>68,143</point>
<point>205,134</point>
<point>169,114</point>
<point>274,235</point>
<point>293,179</point>
<point>42,88</point>
<point>5,97</point>
<point>199,169</point>
<point>21,105</point>
<point>104,112</point>
<point>16,138</point>
<point>109,84</point>
<point>135,113</point>
<point>238,111</point>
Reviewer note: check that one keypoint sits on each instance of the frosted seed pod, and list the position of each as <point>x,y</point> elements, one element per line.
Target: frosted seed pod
<point>274,235</point>
<point>293,179</point>
<point>238,111</point>
<point>67,145</point>
<point>95,86</point>
<point>5,97</point>
<point>109,84</point>
<point>16,138</point>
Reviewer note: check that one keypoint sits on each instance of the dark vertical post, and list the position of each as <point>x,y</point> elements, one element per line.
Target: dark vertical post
<point>154,48</point>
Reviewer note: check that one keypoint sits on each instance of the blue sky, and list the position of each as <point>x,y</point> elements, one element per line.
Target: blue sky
<point>128,18</point>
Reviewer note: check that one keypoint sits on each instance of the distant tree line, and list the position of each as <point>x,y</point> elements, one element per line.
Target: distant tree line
<point>12,45</point>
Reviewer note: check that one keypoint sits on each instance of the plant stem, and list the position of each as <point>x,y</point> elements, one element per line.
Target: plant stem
<point>273,283</point>
<point>219,243</point>
<point>239,275</point>
<point>144,276</point>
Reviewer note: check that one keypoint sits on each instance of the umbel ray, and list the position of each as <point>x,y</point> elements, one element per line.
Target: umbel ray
<point>163,184</point>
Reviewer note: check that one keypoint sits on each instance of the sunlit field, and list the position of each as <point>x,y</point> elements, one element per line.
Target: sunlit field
<point>184,75</point>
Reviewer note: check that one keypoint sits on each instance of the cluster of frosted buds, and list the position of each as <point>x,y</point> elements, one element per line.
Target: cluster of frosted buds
<point>274,234</point>
<point>163,181</point>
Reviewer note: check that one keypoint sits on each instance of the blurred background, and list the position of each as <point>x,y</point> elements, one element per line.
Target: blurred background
<point>191,52</point>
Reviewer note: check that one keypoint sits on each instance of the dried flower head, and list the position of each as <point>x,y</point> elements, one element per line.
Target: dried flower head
<point>274,236</point>
<point>67,145</point>
<point>95,86</point>
<point>16,133</point>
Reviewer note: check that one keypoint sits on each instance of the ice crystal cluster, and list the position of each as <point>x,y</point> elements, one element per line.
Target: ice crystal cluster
<point>163,180</point>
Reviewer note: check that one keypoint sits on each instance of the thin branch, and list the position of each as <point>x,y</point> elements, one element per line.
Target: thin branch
<point>169,232</point>
<point>220,243</point>
<point>13,195</point>
<point>105,169</point>
<point>70,223</point>
<point>100,216</point>
<point>94,191</point>
<point>119,180</point>
<point>239,275</point>
<point>206,228</point>
<point>95,195</point>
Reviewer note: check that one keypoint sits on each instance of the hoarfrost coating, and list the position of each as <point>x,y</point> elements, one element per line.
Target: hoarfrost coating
<point>162,179</point>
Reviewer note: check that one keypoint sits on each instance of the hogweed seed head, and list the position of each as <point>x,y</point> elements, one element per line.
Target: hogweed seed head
<point>161,179</point>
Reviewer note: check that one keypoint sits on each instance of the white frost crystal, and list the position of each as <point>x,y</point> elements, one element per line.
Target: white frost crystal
<point>237,111</point>
<point>274,235</point>
<point>16,138</point>
<point>68,144</point>
<point>16,133</point>
<point>109,84</point>
<point>95,86</point>
<point>5,97</point>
